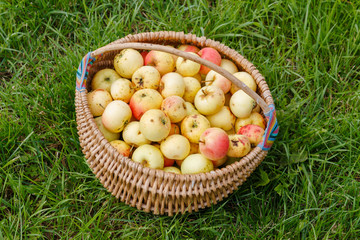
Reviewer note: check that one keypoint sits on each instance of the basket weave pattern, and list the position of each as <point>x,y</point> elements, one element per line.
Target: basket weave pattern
<point>155,190</point>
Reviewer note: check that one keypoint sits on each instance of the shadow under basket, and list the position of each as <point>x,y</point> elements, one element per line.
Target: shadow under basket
<point>153,190</point>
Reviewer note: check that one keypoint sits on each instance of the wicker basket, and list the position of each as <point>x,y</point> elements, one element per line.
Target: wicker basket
<point>155,190</point>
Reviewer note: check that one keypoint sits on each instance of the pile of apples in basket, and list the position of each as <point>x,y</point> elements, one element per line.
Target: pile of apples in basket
<point>171,113</point>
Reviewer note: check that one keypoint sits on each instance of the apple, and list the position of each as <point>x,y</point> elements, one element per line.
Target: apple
<point>110,136</point>
<point>98,100</point>
<point>220,162</point>
<point>196,163</point>
<point>144,100</point>
<point>214,143</point>
<point>174,107</point>
<point>186,67</point>
<point>148,156</point>
<point>215,79</point>
<point>175,129</point>
<point>146,77</point>
<point>122,89</point>
<point>245,78</point>
<point>122,147</point>
<point>172,84</point>
<point>241,104</point>
<point>104,78</point>
<point>143,54</point>
<point>193,126</point>
<point>192,86</point>
<point>209,100</point>
<point>127,62</point>
<point>188,48</point>
<point>172,170</point>
<point>239,145</point>
<point>253,132</point>
<point>254,118</point>
<point>155,125</point>
<point>162,61</point>
<point>167,161</point>
<point>211,55</point>
<point>223,119</point>
<point>190,109</point>
<point>116,115</point>
<point>197,77</point>
<point>133,136</point>
<point>175,147</point>
<point>229,66</point>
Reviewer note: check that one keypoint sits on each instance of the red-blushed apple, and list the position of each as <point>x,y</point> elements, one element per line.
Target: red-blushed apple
<point>223,119</point>
<point>214,143</point>
<point>146,77</point>
<point>253,132</point>
<point>241,104</point>
<point>186,67</point>
<point>155,125</point>
<point>127,62</point>
<point>245,78</point>
<point>172,170</point>
<point>254,118</point>
<point>229,66</point>
<point>143,54</point>
<point>192,86</point>
<point>220,162</point>
<point>215,79</point>
<point>174,107</point>
<point>162,61</point>
<point>239,145</point>
<point>149,156</point>
<point>110,136</point>
<point>190,109</point>
<point>144,100</point>
<point>116,115</point>
<point>122,89</point>
<point>104,78</point>
<point>133,136</point>
<point>211,55</point>
<point>122,147</point>
<point>167,161</point>
<point>175,129</point>
<point>196,163</point>
<point>189,48</point>
<point>172,84</point>
<point>175,147</point>
<point>98,100</point>
<point>209,100</point>
<point>193,126</point>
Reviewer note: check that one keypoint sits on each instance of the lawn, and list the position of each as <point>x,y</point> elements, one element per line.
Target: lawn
<point>308,187</point>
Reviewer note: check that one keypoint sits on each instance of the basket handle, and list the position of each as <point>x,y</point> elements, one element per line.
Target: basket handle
<point>149,46</point>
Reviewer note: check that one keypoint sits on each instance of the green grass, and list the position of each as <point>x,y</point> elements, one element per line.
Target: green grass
<point>308,187</point>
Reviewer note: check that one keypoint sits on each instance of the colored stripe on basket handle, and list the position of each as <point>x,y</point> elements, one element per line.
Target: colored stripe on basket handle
<point>83,71</point>
<point>272,129</point>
